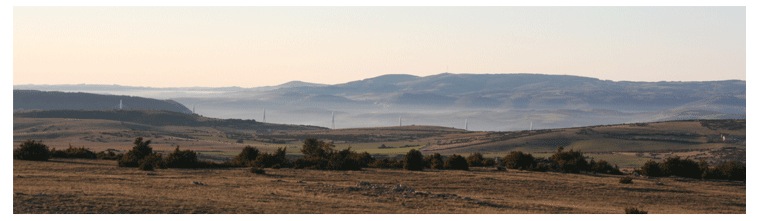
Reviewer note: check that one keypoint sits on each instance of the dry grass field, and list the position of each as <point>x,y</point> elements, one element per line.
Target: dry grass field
<point>627,145</point>
<point>99,186</point>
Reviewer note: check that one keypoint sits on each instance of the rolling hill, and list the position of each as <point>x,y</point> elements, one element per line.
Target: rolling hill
<point>53,100</point>
<point>488,102</point>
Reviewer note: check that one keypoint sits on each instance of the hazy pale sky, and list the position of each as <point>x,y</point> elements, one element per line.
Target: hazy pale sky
<point>258,46</point>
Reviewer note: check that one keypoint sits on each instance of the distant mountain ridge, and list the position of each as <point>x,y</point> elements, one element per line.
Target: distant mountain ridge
<point>53,100</point>
<point>485,101</point>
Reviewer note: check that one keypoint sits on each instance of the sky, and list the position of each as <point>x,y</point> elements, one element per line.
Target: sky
<point>260,46</point>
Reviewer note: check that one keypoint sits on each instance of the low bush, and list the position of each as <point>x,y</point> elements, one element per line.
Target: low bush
<point>182,159</point>
<point>319,155</point>
<point>651,169</point>
<point>729,170</point>
<point>247,157</point>
<point>434,161</point>
<point>344,160</point>
<point>414,160</point>
<point>676,166</point>
<point>73,152</point>
<point>570,161</point>
<point>387,163</point>
<point>602,166</point>
<point>108,155</point>
<point>519,160</point>
<point>140,150</point>
<point>456,162</point>
<point>150,162</point>
<point>488,162</point>
<point>366,159</point>
<point>267,160</point>
<point>475,159</point>
<point>32,150</point>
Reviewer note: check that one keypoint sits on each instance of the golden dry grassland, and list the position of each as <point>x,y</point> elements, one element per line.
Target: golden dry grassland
<point>99,186</point>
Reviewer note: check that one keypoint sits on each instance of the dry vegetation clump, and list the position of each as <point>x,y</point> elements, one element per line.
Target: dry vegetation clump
<point>475,159</point>
<point>32,150</point>
<point>434,161</point>
<point>387,163</point>
<point>319,155</point>
<point>519,160</point>
<point>182,159</point>
<point>140,150</point>
<point>247,156</point>
<point>676,166</point>
<point>414,160</point>
<point>456,162</point>
<point>73,152</point>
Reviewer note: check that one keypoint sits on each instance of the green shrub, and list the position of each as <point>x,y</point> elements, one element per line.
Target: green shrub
<point>182,159</point>
<point>140,150</point>
<point>729,170</point>
<point>602,166</point>
<point>475,159</point>
<point>108,155</point>
<point>542,164</point>
<point>365,158</point>
<point>456,162</point>
<point>316,149</point>
<point>73,152</point>
<point>248,155</point>
<point>320,155</point>
<point>488,162</point>
<point>278,159</point>
<point>344,160</point>
<point>519,160</point>
<point>435,161</point>
<point>676,166</point>
<point>633,210</point>
<point>414,160</point>
<point>569,161</point>
<point>651,169</point>
<point>387,163</point>
<point>151,162</point>
<point>32,150</point>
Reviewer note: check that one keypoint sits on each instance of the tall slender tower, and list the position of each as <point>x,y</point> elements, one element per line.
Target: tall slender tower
<point>466,124</point>
<point>120,104</point>
<point>400,118</point>
<point>332,120</point>
<point>264,115</point>
<point>530,125</point>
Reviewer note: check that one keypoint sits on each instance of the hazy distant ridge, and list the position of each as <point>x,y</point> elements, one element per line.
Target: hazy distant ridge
<point>53,100</point>
<point>488,101</point>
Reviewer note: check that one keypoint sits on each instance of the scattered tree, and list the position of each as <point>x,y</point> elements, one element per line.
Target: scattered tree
<point>182,159</point>
<point>456,162</point>
<point>519,160</point>
<point>247,156</point>
<point>140,150</point>
<point>414,160</point>
<point>475,159</point>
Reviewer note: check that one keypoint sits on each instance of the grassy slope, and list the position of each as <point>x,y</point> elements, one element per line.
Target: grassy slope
<point>615,143</point>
